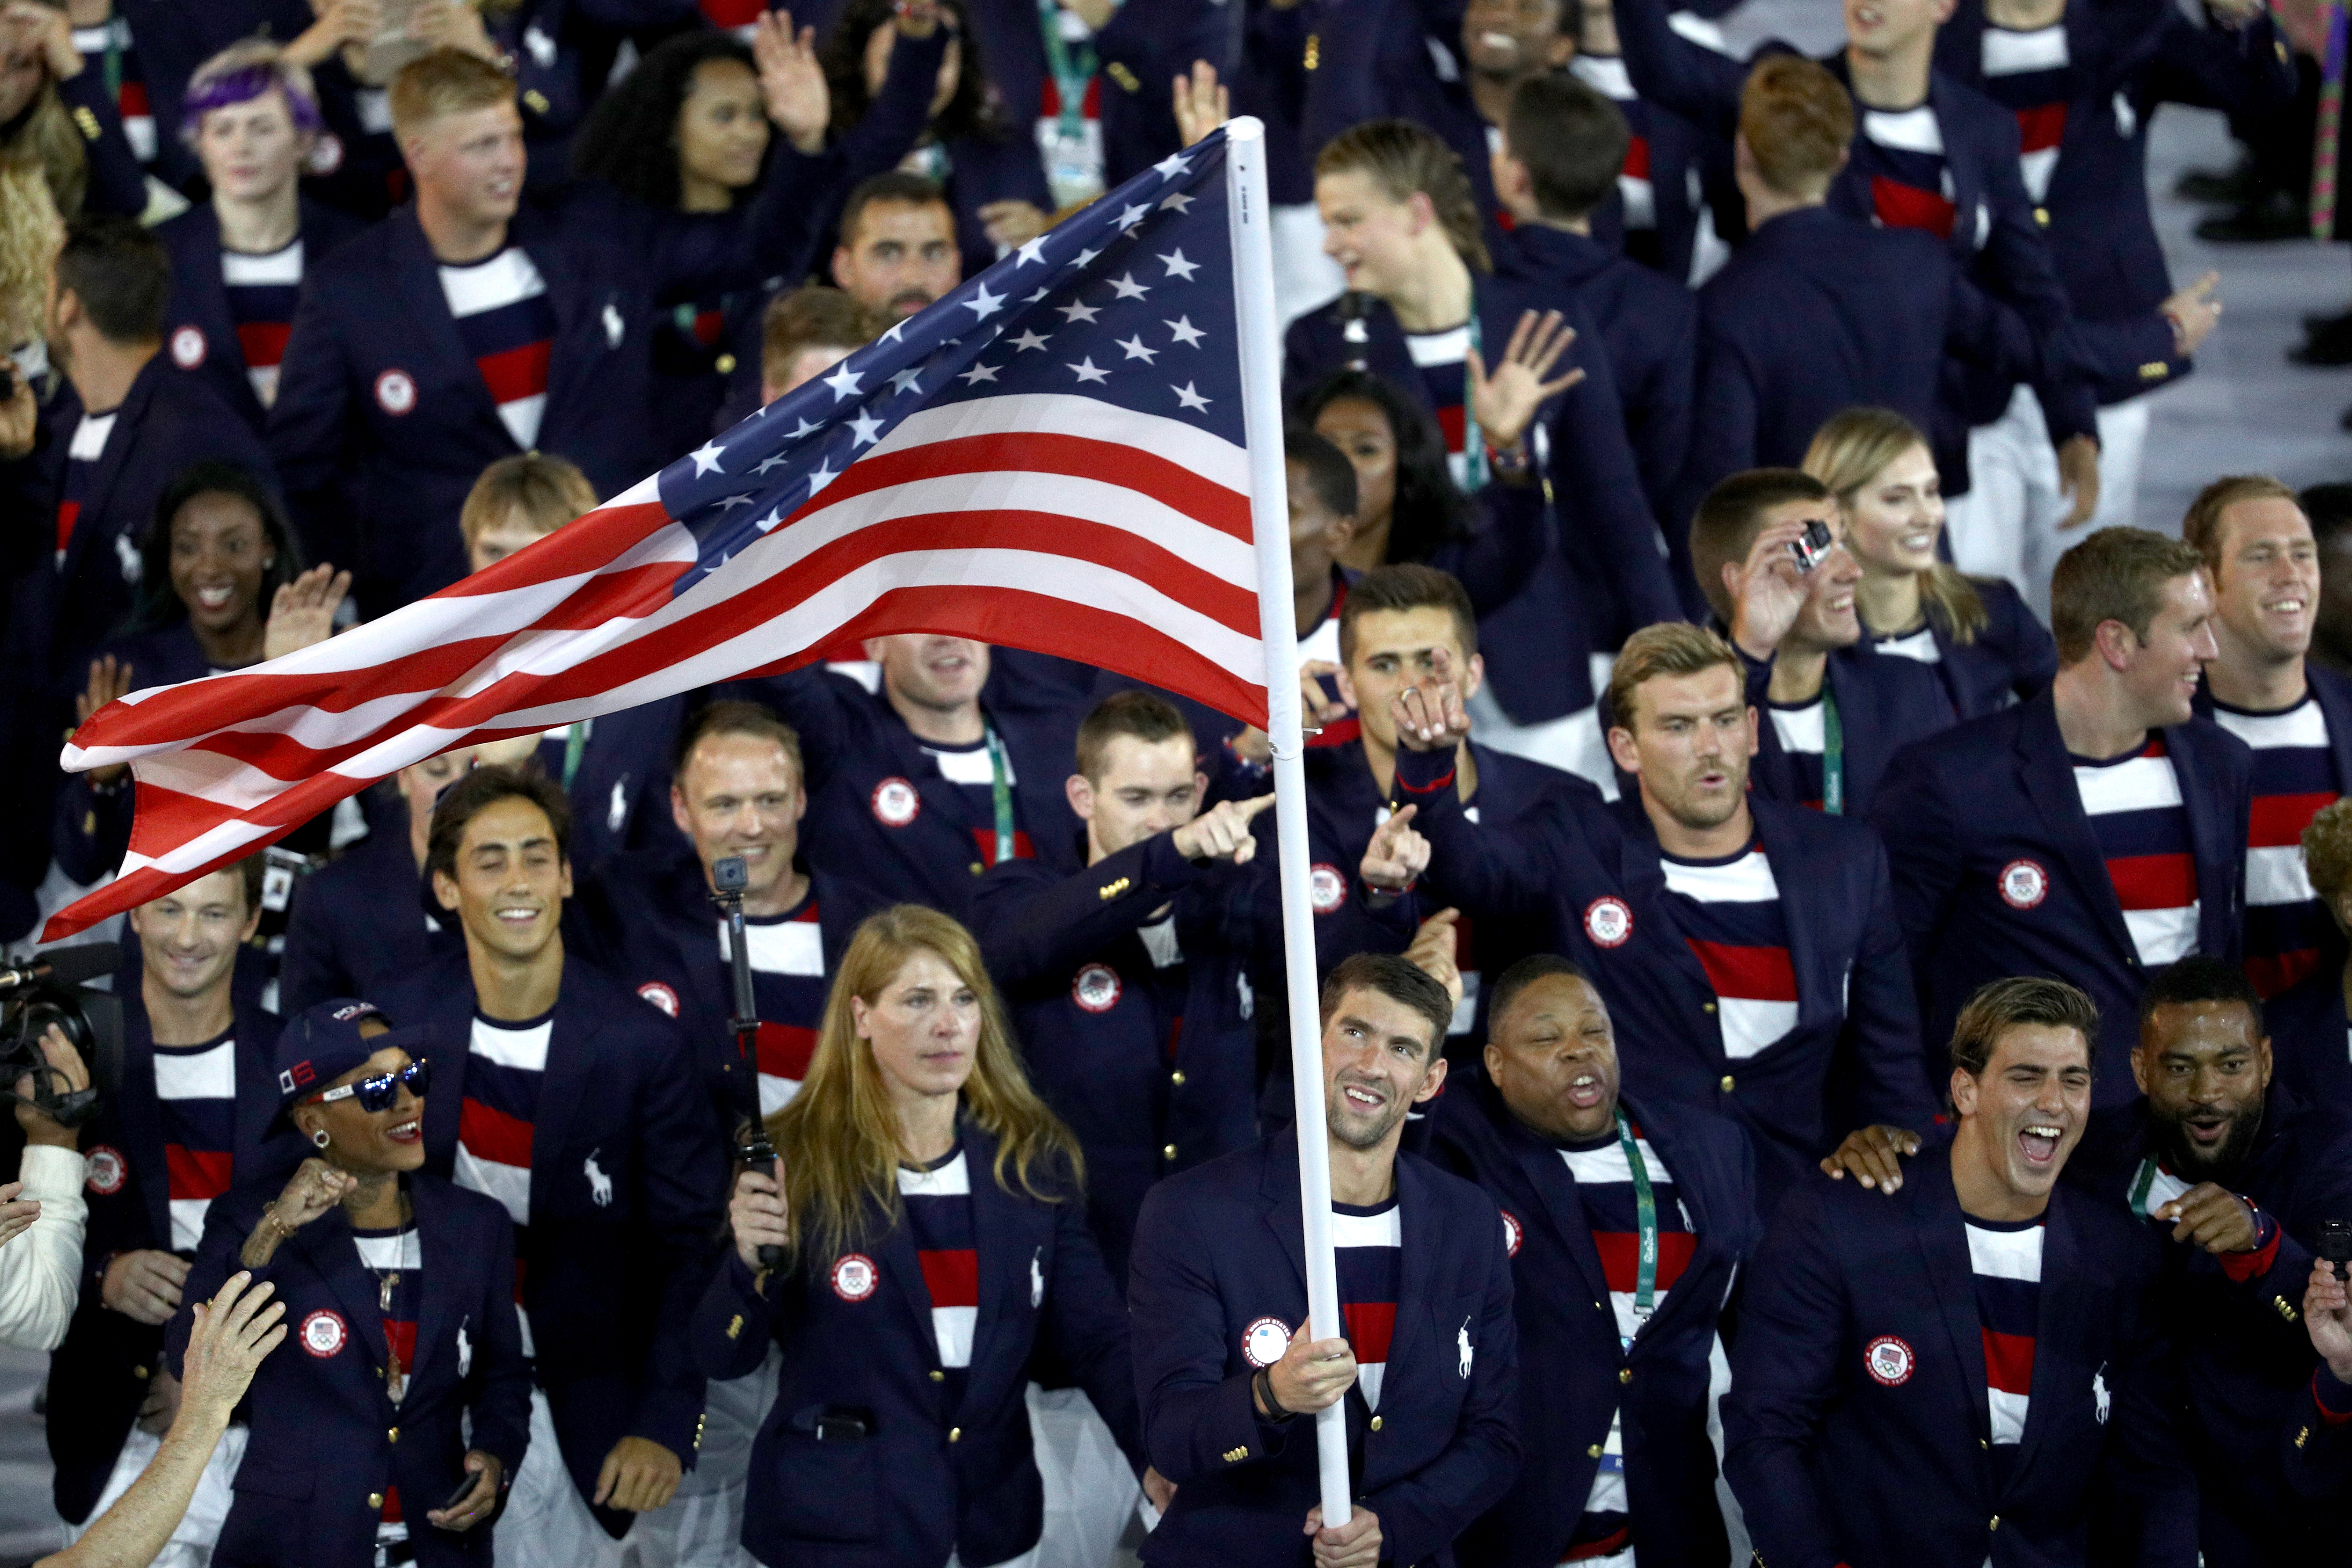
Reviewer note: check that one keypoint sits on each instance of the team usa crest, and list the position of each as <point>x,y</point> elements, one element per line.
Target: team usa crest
<point>1888,1361</point>
<point>660,995</point>
<point>2023,884</point>
<point>324,1332</point>
<point>1097,988</point>
<point>1512,1234</point>
<point>1327,890</point>
<point>854,1277</point>
<point>395,392</point>
<point>107,1171</point>
<point>896,804</point>
<point>1608,921</point>
<point>1263,1341</point>
<point>188,347</point>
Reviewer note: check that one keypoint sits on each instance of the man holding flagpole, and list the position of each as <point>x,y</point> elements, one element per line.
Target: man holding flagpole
<point>1228,1361</point>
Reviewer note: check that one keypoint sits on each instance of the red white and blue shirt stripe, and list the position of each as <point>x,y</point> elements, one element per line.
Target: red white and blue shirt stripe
<point>973,773</point>
<point>1442,360</point>
<point>2287,926</point>
<point>1731,916</point>
<point>262,292</point>
<point>937,1199</point>
<point>787,954</point>
<point>505,1063</point>
<point>2135,811</point>
<point>1901,153</point>
<point>396,1257</point>
<point>196,1090</point>
<point>2006,1260</point>
<point>1367,1246</point>
<point>82,453</point>
<point>508,325</point>
<point>2029,74</point>
<point>1055,446</point>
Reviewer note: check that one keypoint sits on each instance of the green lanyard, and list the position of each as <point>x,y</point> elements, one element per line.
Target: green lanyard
<point>1073,69</point>
<point>2143,1182</point>
<point>575,742</point>
<point>1645,1215</point>
<point>1001,787</point>
<point>1474,440</point>
<point>1833,753</point>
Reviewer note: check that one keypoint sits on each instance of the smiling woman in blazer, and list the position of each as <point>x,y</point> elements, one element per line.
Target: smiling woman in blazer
<point>935,1246</point>
<point>399,1289</point>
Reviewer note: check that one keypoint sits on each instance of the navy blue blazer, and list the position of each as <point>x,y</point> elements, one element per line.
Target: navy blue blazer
<point>354,928</point>
<point>2245,1356</point>
<point>1883,702</point>
<point>166,422</point>
<point>1151,1078</point>
<point>1965,812</point>
<point>2129,59</point>
<point>610,1283</point>
<point>1222,1246</point>
<point>113,180</point>
<point>649,922</point>
<point>1580,870</point>
<point>106,1358</point>
<point>1819,312</point>
<point>855,742</point>
<point>928,1477</point>
<point>2012,657</point>
<point>2311,1038</point>
<point>325,1434</point>
<point>1606,526</point>
<point>383,421</point>
<point>199,336</point>
<point>1572,1363</point>
<point>1650,323</point>
<point>1858,1382</point>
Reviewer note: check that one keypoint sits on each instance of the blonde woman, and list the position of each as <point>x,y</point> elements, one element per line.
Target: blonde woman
<point>929,1239</point>
<point>56,111</point>
<point>1985,643</point>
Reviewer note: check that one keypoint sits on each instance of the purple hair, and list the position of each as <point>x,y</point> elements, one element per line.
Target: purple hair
<point>228,88</point>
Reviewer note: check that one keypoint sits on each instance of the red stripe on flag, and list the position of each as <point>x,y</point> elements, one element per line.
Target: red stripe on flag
<point>491,1134</point>
<point>1749,973</point>
<point>517,372</point>
<point>1049,452</point>
<point>1899,205</point>
<point>263,343</point>
<point>2008,1361</point>
<point>2042,127</point>
<point>2278,820</point>
<point>1370,1324</point>
<point>1637,158</point>
<point>2154,881</point>
<point>197,1173</point>
<point>785,1049</point>
<point>1621,1257</point>
<point>952,1276</point>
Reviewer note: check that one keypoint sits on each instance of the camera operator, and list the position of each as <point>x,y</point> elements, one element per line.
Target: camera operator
<point>191,1115</point>
<point>578,1106</point>
<point>42,1214</point>
<point>390,1438</point>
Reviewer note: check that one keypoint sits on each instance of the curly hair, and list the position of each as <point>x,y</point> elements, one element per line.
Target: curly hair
<point>630,141</point>
<point>1429,509</point>
<point>974,110</point>
<point>2327,855</point>
<point>31,231</point>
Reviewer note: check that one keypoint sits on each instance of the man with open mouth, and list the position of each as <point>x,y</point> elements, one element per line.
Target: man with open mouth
<point>2237,1172</point>
<point>1947,1378</point>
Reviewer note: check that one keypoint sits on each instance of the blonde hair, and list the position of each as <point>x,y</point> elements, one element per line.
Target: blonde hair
<point>445,81</point>
<point>1853,448</point>
<point>1405,159</point>
<point>31,232</point>
<point>1798,121</point>
<point>838,1141</point>
<point>2327,855</point>
<point>1669,647</point>
<point>49,138</point>
<point>2201,528</point>
<point>549,492</point>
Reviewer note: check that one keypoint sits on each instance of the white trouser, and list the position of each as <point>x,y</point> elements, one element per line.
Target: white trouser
<point>2007,525</point>
<point>1573,742</point>
<point>192,1538</point>
<point>547,1523</point>
<point>702,1527</point>
<point>1089,1490</point>
<point>1304,277</point>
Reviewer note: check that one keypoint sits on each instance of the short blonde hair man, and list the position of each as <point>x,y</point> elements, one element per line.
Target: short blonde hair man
<point>445,81</point>
<point>519,499</point>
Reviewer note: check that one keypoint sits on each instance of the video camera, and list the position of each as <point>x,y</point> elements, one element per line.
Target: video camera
<point>50,988</point>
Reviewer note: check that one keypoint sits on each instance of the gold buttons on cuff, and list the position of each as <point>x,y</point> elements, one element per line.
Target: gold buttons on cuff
<point>735,1326</point>
<point>1376,1423</point>
<point>1730,1083</point>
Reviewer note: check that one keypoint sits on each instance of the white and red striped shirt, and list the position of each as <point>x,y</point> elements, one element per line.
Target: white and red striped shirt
<point>2135,811</point>
<point>508,327</point>
<point>2287,926</point>
<point>787,955</point>
<point>1731,916</point>
<point>504,1066</point>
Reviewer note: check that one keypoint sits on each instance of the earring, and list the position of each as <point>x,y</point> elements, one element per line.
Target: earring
<point>320,1138</point>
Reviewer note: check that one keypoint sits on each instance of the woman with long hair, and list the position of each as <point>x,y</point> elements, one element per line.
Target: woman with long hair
<point>47,93</point>
<point>921,1240</point>
<point>1989,648</point>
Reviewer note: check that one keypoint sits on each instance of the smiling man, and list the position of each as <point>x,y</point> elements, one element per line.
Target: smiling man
<point>1625,1224</point>
<point>2236,1173</point>
<point>1426,1360</point>
<point>1947,1379</point>
<point>580,1108</point>
<point>2295,712</point>
<point>2096,832</point>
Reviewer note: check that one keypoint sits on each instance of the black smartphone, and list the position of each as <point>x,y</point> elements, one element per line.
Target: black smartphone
<point>464,1490</point>
<point>2335,1244</point>
<point>1817,542</point>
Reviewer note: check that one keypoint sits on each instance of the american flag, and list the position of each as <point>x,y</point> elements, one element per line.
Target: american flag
<point>1050,457</point>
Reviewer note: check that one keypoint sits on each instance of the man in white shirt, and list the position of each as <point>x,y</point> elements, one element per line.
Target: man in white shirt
<point>41,1214</point>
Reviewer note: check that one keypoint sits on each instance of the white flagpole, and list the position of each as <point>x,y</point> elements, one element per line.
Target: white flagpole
<point>1261,362</point>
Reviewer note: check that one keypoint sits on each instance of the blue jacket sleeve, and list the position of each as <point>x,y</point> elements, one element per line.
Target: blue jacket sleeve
<point>1724,422</point>
<point>2016,265</point>
<point>498,1391</point>
<point>811,701</point>
<point>1595,485</point>
<point>736,1319</point>
<point>684,1173</point>
<point>1783,1370</point>
<point>312,427</point>
<point>1497,559</point>
<point>1670,70</point>
<point>1501,870</point>
<point>2246,67</point>
<point>2145,1461</point>
<point>1039,929</point>
<point>116,182</point>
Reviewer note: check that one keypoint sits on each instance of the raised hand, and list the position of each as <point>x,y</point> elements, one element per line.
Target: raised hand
<point>43,29</point>
<point>1397,854</point>
<point>1221,832</point>
<point>68,1075</point>
<point>1768,592</point>
<point>2194,312</point>
<point>1433,948</point>
<point>108,681</point>
<point>1431,716</point>
<point>340,22</point>
<point>231,1335</point>
<point>452,24</point>
<point>1201,103</point>
<point>791,82</point>
<point>1014,223</point>
<point>1505,400</point>
<point>303,611</point>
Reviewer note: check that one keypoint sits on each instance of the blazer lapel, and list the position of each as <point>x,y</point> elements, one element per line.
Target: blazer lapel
<point>2053,1329</point>
<point>901,1267</point>
<point>1008,1237</point>
<point>1279,1192</point>
<point>570,1048</point>
<point>441,1265</point>
<point>2048,775</point>
<point>1944,1245</point>
<point>418,279</point>
<point>1804,951</point>
<point>141,1118</point>
<point>1644,877</point>
<point>2214,844</point>
<point>328,1245</point>
<point>256,1094</point>
<point>1409,1359</point>
<point>1563,1206</point>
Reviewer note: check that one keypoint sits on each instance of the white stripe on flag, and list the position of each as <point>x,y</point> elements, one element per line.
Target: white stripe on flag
<point>1207,454</point>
